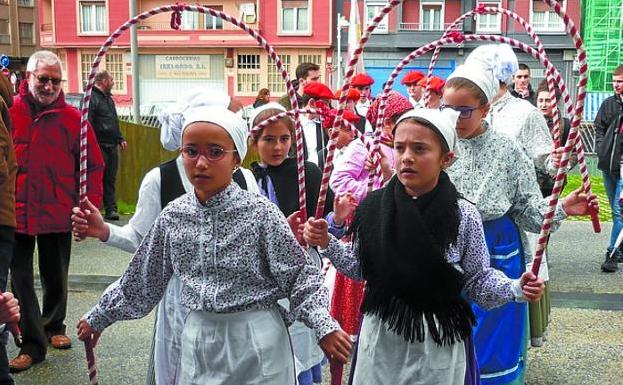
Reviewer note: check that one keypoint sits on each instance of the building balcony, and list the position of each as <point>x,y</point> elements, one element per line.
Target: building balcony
<point>158,33</point>
<point>426,27</point>
<point>46,35</point>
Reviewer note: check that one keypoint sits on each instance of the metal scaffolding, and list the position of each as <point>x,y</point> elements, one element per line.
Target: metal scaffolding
<point>603,39</point>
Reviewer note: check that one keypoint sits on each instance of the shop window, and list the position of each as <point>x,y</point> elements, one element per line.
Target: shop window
<point>248,76</point>
<point>275,80</point>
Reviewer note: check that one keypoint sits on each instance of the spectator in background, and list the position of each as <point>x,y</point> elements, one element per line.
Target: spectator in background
<point>8,170</point>
<point>414,90</point>
<point>351,99</point>
<point>46,136</point>
<point>521,88</point>
<point>608,146</point>
<point>105,123</point>
<point>315,136</point>
<point>262,98</point>
<point>305,73</point>
<point>362,83</point>
<point>436,90</point>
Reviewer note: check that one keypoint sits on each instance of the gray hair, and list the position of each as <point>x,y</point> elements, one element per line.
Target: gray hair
<point>47,57</point>
<point>101,76</point>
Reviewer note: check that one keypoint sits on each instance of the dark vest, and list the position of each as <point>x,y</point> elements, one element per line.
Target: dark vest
<point>171,186</point>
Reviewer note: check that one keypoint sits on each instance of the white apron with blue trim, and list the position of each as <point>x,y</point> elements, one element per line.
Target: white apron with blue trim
<point>244,348</point>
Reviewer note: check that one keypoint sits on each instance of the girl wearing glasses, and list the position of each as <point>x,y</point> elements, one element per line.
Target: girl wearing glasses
<point>277,177</point>
<point>160,186</point>
<point>496,174</point>
<point>421,250</point>
<point>236,256</point>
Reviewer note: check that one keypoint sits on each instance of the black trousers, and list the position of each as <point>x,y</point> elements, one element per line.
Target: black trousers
<point>110,154</point>
<point>7,237</point>
<point>37,326</point>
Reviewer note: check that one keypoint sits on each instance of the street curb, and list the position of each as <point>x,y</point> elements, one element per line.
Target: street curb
<point>85,281</point>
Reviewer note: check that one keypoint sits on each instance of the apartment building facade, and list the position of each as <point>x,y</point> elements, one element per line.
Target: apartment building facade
<point>415,23</point>
<point>205,51</point>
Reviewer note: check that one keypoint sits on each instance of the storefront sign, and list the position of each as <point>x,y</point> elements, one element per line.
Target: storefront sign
<point>182,66</point>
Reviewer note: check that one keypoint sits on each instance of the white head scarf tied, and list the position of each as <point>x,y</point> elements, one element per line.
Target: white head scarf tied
<point>268,106</point>
<point>443,120</point>
<point>488,65</point>
<point>172,120</point>
<point>231,122</point>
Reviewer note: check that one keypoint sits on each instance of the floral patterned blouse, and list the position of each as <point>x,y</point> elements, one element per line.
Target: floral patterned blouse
<point>495,174</point>
<point>233,253</point>
<point>484,285</point>
<point>522,122</point>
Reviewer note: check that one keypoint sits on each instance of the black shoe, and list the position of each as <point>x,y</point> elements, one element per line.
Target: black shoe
<point>610,264</point>
<point>112,216</point>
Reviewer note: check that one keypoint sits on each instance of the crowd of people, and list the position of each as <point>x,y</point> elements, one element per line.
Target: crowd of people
<point>419,274</point>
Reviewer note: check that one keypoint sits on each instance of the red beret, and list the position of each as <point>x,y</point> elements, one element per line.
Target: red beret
<point>353,94</point>
<point>329,118</point>
<point>361,80</point>
<point>436,84</point>
<point>351,117</point>
<point>412,77</point>
<point>318,90</point>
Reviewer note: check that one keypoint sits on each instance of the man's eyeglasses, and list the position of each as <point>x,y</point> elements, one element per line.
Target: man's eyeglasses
<point>464,112</point>
<point>45,79</point>
<point>213,153</point>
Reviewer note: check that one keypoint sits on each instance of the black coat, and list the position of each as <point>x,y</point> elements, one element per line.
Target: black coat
<point>103,118</point>
<point>531,94</point>
<point>608,139</point>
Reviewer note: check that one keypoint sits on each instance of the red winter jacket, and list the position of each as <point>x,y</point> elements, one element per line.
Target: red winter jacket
<point>47,148</point>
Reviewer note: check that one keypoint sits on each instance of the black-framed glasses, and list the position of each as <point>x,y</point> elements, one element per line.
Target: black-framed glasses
<point>464,112</point>
<point>45,79</point>
<point>212,153</point>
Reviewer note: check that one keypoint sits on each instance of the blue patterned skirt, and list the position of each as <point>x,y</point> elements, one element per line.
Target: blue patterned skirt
<point>500,333</point>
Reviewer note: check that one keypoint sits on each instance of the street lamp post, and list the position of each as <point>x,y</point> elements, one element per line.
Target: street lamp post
<point>341,23</point>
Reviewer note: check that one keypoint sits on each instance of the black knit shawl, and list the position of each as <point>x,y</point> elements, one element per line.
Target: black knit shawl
<point>402,244</point>
<point>285,181</point>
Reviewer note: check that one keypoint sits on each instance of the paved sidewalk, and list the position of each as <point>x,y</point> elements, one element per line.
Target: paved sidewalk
<point>585,344</point>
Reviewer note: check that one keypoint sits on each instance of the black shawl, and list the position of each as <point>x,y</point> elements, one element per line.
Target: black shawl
<point>402,244</point>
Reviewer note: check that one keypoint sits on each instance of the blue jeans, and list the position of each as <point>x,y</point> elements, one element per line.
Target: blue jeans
<point>613,189</point>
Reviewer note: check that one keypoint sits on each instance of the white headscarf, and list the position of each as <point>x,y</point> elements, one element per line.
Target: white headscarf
<point>443,120</point>
<point>235,126</point>
<point>172,120</point>
<point>486,66</point>
<point>262,108</point>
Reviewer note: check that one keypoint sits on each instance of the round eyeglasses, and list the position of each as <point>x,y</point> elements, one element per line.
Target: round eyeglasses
<point>212,153</point>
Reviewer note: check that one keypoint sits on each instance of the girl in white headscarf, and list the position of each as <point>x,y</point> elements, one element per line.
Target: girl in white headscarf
<point>161,185</point>
<point>420,247</point>
<point>235,256</point>
<point>494,172</point>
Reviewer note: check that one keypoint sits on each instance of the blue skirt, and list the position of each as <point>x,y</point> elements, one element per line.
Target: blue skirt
<point>500,333</point>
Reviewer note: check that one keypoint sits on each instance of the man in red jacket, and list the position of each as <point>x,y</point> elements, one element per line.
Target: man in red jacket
<point>46,136</point>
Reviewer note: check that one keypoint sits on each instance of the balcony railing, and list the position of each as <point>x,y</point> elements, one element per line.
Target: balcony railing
<point>416,27</point>
<point>156,26</point>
